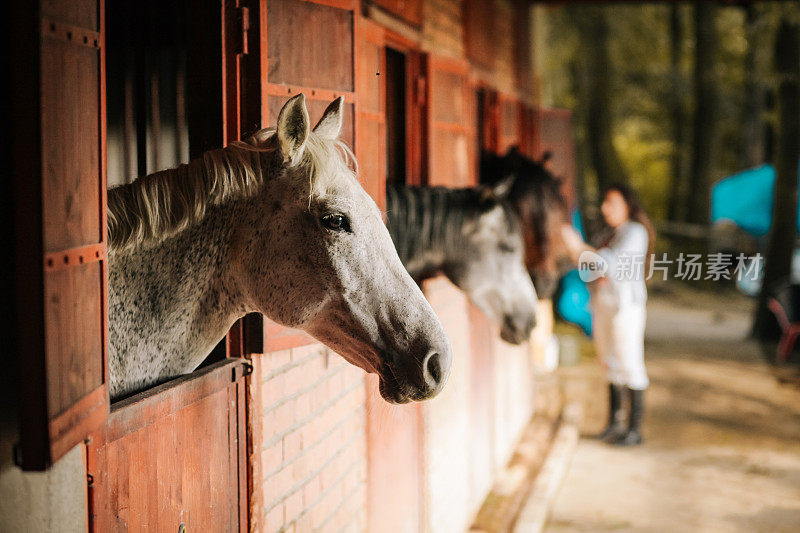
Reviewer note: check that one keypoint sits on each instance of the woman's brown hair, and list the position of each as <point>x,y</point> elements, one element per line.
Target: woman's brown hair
<point>636,213</point>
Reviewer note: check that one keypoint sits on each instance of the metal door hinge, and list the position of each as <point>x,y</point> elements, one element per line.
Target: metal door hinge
<point>242,370</point>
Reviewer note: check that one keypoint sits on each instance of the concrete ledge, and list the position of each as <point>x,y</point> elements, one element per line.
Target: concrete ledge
<point>524,490</point>
<point>533,516</point>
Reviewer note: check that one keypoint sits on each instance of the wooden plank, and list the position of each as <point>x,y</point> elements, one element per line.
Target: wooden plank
<point>479,32</point>
<point>451,133</point>
<point>312,93</point>
<point>83,13</point>
<point>69,427</point>
<point>408,10</point>
<point>173,471</point>
<point>310,45</point>
<point>370,142</point>
<point>145,408</point>
<point>70,116</point>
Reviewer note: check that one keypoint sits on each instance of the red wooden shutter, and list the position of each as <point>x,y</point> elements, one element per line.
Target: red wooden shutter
<point>60,227</point>
<point>408,10</point>
<point>557,135</point>
<point>489,120</point>
<point>509,130</point>
<point>452,161</point>
<point>479,32</point>
<point>371,110</point>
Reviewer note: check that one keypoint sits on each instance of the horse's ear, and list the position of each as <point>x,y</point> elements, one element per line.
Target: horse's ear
<point>330,124</point>
<point>293,128</point>
<point>502,188</point>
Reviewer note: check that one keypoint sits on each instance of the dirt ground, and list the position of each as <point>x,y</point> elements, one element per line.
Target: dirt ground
<point>722,432</point>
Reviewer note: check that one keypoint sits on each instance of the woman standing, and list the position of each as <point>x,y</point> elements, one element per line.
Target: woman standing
<point>618,307</point>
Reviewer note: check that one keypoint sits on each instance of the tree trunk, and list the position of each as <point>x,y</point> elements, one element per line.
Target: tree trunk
<point>705,113</point>
<point>783,233</point>
<point>677,200</point>
<point>754,131</point>
<point>599,126</point>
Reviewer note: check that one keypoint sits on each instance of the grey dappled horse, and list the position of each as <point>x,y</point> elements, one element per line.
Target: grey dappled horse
<point>474,238</point>
<point>279,225</point>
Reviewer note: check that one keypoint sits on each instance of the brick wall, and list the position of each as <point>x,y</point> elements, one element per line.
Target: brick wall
<point>446,444</point>
<point>472,427</point>
<point>308,411</point>
<point>513,399</point>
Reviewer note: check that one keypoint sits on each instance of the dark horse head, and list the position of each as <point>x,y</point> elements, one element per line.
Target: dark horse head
<point>474,238</point>
<point>536,197</point>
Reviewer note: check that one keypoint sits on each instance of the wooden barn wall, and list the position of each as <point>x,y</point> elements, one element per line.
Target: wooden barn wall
<point>325,452</point>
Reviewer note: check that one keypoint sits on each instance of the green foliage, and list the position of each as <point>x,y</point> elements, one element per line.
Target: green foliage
<point>644,83</point>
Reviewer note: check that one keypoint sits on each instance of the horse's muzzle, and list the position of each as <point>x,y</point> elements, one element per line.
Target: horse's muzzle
<point>516,330</point>
<point>402,383</point>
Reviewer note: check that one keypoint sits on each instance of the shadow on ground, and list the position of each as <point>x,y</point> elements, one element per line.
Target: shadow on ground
<point>722,449</point>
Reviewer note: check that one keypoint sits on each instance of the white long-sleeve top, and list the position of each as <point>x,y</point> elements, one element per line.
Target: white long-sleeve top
<point>626,254</point>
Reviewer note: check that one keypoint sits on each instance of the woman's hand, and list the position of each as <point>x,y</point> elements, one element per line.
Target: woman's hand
<point>573,241</point>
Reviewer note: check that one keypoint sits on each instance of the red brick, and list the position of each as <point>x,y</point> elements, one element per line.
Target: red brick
<point>292,444</point>
<point>294,504</point>
<point>274,519</point>
<point>304,524</point>
<point>296,379</point>
<point>273,361</point>
<point>311,492</point>
<point>272,391</point>
<point>302,406</point>
<point>284,418</point>
<point>301,352</point>
<point>271,458</point>
<point>278,485</point>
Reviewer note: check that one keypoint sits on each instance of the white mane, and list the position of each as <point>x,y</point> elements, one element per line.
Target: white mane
<point>160,205</point>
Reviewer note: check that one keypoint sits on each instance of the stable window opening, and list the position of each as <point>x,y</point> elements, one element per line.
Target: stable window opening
<point>163,93</point>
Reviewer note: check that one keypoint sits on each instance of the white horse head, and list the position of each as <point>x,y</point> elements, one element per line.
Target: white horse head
<point>284,229</point>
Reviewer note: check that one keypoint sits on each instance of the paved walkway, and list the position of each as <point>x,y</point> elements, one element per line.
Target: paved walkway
<point>722,450</point>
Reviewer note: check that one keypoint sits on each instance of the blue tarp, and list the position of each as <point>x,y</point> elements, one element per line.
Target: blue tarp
<point>572,300</point>
<point>746,199</point>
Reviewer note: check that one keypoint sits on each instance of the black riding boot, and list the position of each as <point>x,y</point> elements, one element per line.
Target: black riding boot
<point>633,435</point>
<point>616,415</point>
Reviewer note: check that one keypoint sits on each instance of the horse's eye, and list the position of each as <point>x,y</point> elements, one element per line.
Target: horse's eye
<point>336,222</point>
<point>508,248</point>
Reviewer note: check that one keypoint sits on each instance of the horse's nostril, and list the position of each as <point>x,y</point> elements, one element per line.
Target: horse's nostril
<point>433,369</point>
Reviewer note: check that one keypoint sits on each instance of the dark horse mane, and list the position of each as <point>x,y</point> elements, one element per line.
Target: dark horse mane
<point>426,223</point>
<point>536,196</point>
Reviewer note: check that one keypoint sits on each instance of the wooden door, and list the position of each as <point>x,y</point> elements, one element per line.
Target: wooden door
<point>452,161</point>
<point>59,225</point>
<point>175,455</point>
